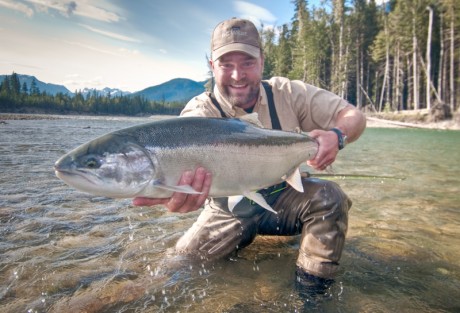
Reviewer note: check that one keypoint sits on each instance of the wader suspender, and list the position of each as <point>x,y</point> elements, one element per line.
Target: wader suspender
<point>271,106</point>
<point>272,193</point>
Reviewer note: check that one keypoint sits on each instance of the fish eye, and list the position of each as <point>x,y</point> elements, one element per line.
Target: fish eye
<point>92,163</point>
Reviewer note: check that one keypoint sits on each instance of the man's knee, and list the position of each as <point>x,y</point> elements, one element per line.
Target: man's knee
<point>324,197</point>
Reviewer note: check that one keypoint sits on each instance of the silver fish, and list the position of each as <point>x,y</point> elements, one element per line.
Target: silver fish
<point>147,160</point>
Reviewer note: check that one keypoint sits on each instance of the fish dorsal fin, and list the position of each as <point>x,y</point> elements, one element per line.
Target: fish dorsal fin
<point>252,118</point>
<point>295,180</point>
<point>182,188</point>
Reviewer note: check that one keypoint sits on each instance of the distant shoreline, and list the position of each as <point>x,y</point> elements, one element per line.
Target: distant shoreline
<point>372,122</point>
<point>42,116</point>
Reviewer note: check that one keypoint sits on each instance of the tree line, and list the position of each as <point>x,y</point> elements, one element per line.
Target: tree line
<point>18,98</point>
<point>401,55</point>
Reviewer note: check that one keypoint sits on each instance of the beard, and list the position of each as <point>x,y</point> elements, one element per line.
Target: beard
<point>241,99</point>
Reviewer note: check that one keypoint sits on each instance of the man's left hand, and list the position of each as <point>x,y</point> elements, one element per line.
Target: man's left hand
<point>327,149</point>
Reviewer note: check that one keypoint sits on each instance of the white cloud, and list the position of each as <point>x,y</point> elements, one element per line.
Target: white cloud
<point>79,83</point>
<point>76,7</point>
<point>254,13</point>
<point>126,51</point>
<point>20,7</point>
<point>109,34</point>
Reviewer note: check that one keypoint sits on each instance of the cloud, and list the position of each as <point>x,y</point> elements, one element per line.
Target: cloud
<point>71,7</point>
<point>110,34</point>
<point>79,7</point>
<point>92,48</point>
<point>125,51</point>
<point>80,83</point>
<point>20,7</point>
<point>255,13</point>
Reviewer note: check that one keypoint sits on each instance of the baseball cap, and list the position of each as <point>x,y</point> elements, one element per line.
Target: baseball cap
<point>235,35</point>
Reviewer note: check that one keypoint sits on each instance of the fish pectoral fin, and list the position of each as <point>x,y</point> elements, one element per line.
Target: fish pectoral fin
<point>182,189</point>
<point>233,201</point>
<point>295,180</point>
<point>259,199</point>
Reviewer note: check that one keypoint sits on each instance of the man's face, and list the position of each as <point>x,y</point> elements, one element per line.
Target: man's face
<point>238,76</point>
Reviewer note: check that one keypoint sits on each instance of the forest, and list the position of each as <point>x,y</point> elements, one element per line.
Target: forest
<point>403,55</point>
<point>18,98</point>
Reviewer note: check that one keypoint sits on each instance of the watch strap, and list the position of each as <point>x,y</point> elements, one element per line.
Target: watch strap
<point>340,136</point>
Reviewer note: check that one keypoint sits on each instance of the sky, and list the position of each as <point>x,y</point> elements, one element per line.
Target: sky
<point>125,44</point>
<point>130,45</point>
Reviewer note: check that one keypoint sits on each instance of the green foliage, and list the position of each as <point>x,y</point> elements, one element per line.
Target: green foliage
<point>348,47</point>
<point>13,98</point>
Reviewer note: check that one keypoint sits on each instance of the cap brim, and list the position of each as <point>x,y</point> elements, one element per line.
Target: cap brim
<point>240,47</point>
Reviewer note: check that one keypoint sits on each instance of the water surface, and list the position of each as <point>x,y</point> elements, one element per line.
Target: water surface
<point>65,251</point>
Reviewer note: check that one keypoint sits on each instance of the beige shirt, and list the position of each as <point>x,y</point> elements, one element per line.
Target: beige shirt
<point>297,105</point>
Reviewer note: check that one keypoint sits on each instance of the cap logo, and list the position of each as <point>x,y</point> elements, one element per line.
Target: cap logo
<point>234,31</point>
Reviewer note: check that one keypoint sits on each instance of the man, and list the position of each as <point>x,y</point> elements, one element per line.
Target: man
<point>320,214</point>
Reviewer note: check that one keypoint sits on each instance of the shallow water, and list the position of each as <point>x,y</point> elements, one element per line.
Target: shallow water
<point>65,251</point>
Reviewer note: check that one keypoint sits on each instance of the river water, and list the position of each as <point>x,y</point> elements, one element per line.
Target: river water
<point>65,251</point>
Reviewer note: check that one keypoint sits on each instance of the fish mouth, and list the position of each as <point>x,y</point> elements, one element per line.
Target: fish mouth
<point>69,176</point>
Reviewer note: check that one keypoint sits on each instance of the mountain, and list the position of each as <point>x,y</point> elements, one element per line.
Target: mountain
<point>113,92</point>
<point>178,89</point>
<point>48,88</point>
<point>175,90</point>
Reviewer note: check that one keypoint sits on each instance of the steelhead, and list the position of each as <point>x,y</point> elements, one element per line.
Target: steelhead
<point>148,160</point>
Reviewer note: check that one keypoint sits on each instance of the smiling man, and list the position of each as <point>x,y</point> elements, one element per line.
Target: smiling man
<point>320,213</point>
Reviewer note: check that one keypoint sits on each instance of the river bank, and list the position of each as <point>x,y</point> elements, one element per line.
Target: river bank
<point>406,119</point>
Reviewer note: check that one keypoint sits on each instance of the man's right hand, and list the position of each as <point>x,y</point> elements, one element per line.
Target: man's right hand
<point>200,180</point>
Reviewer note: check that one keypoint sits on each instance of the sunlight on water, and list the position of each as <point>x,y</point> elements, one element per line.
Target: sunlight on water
<point>65,251</point>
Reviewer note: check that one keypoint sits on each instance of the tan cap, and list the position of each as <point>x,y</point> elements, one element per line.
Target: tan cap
<point>235,35</point>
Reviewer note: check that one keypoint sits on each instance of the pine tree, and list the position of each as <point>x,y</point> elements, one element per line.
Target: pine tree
<point>283,54</point>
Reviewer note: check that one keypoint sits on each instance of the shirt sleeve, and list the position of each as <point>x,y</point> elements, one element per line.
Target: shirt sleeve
<point>316,108</point>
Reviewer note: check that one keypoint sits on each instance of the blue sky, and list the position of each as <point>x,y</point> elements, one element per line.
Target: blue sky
<point>122,44</point>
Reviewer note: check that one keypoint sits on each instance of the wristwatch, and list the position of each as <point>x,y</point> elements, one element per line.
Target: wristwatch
<point>341,136</point>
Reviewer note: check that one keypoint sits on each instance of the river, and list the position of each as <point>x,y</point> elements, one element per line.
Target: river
<point>65,251</point>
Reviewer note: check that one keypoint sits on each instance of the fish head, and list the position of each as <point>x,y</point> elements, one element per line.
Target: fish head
<point>113,166</point>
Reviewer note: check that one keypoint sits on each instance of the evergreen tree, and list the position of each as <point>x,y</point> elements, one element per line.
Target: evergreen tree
<point>24,89</point>
<point>34,90</point>
<point>15,85</point>
<point>269,49</point>
<point>283,63</point>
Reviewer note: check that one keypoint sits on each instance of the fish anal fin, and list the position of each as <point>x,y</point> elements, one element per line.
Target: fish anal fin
<point>259,199</point>
<point>233,201</point>
<point>295,180</point>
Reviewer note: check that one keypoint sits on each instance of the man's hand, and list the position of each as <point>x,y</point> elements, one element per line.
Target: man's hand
<point>181,202</point>
<point>327,149</point>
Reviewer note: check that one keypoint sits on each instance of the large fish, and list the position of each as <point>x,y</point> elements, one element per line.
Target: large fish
<point>147,160</point>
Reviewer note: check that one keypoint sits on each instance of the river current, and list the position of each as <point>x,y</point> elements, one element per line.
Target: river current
<point>65,251</point>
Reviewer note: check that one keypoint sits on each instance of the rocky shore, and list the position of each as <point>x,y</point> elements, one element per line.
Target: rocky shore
<point>389,120</point>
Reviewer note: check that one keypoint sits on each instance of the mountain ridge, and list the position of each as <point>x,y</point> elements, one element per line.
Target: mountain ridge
<point>174,90</point>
